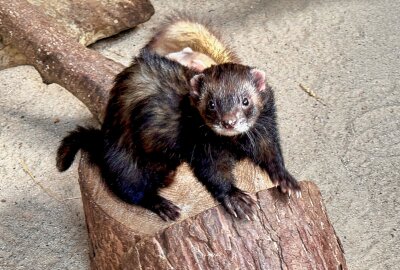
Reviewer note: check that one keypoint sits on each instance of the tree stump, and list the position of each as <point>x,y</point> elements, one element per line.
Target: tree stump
<point>287,233</point>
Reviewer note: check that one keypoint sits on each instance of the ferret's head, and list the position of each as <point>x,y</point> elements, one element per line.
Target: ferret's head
<point>229,97</point>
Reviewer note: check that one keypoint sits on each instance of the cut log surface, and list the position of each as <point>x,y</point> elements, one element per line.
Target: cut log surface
<point>287,233</point>
<point>86,21</point>
<point>185,191</point>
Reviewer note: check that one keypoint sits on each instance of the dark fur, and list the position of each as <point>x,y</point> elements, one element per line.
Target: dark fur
<point>88,139</point>
<point>153,124</point>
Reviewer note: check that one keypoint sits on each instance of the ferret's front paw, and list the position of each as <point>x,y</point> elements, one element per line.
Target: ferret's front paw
<point>240,204</point>
<point>166,209</point>
<point>289,185</point>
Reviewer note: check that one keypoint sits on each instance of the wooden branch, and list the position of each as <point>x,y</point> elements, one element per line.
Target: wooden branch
<point>286,234</point>
<point>57,56</point>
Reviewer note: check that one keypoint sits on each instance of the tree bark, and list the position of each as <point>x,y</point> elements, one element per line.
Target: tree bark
<point>287,233</point>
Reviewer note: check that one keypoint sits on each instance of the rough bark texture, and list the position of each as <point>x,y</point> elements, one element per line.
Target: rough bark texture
<point>86,21</point>
<point>286,233</point>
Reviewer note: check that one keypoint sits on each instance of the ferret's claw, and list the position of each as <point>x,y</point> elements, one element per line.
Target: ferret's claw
<point>239,204</point>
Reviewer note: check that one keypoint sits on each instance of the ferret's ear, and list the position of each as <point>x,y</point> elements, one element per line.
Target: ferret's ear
<point>259,79</point>
<point>198,65</point>
<point>196,82</point>
<point>187,50</point>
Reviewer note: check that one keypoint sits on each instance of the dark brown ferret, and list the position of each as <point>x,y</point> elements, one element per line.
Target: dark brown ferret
<point>161,114</point>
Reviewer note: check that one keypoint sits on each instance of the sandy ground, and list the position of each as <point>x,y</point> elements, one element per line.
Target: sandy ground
<point>347,52</point>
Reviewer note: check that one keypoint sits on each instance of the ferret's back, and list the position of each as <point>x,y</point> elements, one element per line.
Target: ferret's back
<point>151,94</point>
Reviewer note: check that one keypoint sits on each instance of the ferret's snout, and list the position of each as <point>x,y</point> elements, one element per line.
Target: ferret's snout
<point>229,123</point>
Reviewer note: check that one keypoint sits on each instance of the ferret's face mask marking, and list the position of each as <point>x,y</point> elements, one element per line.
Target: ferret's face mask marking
<point>229,104</point>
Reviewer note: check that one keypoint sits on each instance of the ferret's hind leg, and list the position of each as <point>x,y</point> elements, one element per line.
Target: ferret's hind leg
<point>138,184</point>
<point>152,200</point>
<point>144,192</point>
<point>141,188</point>
<point>161,206</point>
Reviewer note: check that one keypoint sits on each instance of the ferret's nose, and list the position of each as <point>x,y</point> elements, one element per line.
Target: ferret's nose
<point>229,123</point>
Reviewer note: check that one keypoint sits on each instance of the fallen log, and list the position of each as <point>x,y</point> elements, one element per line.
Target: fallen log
<point>286,234</point>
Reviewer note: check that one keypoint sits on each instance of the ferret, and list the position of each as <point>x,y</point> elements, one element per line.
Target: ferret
<point>162,113</point>
<point>189,58</point>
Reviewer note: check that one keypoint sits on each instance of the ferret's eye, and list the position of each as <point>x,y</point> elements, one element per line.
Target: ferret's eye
<point>211,105</point>
<point>245,102</point>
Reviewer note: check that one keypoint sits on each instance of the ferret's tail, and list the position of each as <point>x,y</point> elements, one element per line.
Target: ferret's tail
<point>89,140</point>
<point>181,31</point>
